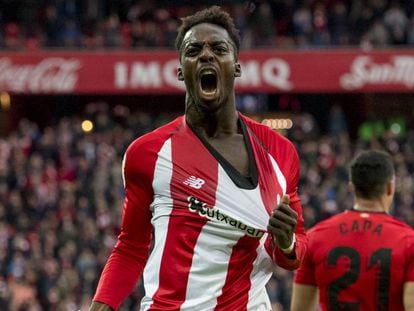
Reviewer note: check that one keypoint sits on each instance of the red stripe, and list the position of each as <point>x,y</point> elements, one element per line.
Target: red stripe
<point>268,183</point>
<point>184,226</point>
<point>235,292</point>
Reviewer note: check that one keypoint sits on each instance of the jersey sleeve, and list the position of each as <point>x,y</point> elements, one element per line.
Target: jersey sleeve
<point>287,158</point>
<point>128,258</point>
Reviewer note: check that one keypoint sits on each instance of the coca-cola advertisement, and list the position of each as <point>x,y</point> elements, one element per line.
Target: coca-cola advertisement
<point>149,72</point>
<point>48,75</point>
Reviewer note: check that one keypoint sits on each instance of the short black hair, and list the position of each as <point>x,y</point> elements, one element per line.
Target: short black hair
<point>214,15</point>
<point>370,172</point>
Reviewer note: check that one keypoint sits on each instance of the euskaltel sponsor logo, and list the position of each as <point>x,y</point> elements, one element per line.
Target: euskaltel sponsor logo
<point>51,74</point>
<point>364,71</point>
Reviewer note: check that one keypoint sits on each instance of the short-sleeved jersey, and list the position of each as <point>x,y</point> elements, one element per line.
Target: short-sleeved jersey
<point>359,261</point>
<point>211,250</point>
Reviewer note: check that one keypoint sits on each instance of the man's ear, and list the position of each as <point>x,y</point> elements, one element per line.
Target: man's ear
<point>391,187</point>
<point>237,70</point>
<point>180,74</point>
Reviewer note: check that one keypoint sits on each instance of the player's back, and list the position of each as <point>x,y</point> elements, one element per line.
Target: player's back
<point>359,261</point>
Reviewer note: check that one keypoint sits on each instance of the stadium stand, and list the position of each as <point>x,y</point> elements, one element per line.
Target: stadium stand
<point>94,24</point>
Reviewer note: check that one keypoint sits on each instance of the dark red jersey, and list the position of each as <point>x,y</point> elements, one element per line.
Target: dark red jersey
<point>359,261</point>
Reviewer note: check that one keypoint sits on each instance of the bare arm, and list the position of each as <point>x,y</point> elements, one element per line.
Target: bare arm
<point>304,297</point>
<point>97,306</point>
<point>408,296</point>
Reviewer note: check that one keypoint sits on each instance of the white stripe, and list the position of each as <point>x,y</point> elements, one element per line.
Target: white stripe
<point>279,175</point>
<point>260,275</point>
<point>123,169</point>
<point>209,266</point>
<point>245,205</point>
<point>161,208</point>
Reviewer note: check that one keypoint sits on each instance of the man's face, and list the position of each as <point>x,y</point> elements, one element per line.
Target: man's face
<point>208,65</point>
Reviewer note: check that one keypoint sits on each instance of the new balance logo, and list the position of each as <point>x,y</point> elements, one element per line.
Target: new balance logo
<point>194,182</point>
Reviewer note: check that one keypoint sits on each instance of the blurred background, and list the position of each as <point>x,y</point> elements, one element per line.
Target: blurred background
<point>79,80</point>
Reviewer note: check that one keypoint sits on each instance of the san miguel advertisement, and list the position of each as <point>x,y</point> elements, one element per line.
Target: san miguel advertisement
<point>155,72</point>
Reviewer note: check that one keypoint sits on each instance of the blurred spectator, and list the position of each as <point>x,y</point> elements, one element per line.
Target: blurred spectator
<point>338,24</point>
<point>70,34</point>
<point>337,121</point>
<point>321,35</point>
<point>12,36</point>
<point>302,25</point>
<point>378,34</point>
<point>396,21</point>
<point>112,31</point>
<point>261,26</point>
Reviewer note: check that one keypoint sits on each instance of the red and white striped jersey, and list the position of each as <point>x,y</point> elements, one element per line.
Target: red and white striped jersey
<point>211,250</point>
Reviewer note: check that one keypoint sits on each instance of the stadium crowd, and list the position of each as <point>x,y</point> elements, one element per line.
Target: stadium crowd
<point>61,199</point>
<point>93,24</point>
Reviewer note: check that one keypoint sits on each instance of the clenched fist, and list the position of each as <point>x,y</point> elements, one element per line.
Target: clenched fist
<point>282,224</point>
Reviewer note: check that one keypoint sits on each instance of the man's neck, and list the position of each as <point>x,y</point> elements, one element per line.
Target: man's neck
<point>364,205</point>
<point>215,124</point>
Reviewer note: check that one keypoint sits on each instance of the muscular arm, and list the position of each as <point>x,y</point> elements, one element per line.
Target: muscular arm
<point>304,297</point>
<point>408,296</point>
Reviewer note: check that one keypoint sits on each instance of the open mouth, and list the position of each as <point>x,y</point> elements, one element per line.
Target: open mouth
<point>208,81</point>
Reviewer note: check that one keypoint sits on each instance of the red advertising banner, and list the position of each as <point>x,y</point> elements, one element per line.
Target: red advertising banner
<point>150,71</point>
